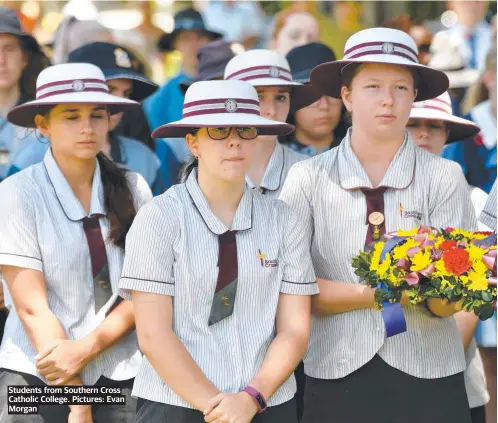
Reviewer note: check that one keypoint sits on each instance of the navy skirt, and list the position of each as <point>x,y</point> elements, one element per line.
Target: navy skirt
<point>379,393</point>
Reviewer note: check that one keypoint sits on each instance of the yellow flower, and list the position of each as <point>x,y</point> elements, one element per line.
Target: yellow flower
<point>421,260</point>
<point>466,234</point>
<point>440,269</point>
<point>400,252</point>
<point>479,267</point>
<point>438,242</point>
<point>475,281</point>
<point>480,236</point>
<point>374,263</point>
<point>475,252</point>
<point>409,232</point>
<point>384,266</point>
<point>396,280</point>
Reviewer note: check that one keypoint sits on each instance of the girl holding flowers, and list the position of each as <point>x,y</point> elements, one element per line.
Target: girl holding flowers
<point>356,371</point>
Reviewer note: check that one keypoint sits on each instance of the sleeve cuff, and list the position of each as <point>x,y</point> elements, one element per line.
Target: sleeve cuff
<point>299,288</point>
<point>128,284</point>
<point>21,261</point>
<point>488,220</point>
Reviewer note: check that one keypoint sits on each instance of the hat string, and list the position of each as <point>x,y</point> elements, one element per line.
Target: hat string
<point>71,86</point>
<point>220,105</point>
<point>257,72</point>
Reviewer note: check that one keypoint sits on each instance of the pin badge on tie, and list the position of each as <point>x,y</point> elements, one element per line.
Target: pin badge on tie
<point>376,218</point>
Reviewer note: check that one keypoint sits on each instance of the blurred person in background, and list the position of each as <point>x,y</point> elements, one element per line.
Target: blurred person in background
<point>293,27</point>
<point>446,57</point>
<point>420,34</point>
<point>477,156</point>
<point>189,35</point>
<point>472,33</point>
<point>73,33</point>
<point>431,126</point>
<point>269,72</point>
<point>238,21</point>
<point>321,125</point>
<point>21,60</point>
<point>173,152</point>
<point>116,62</point>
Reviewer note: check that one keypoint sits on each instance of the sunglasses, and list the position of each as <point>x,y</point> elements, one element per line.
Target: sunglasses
<point>222,133</point>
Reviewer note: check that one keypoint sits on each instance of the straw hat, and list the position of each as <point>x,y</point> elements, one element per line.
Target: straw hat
<point>440,109</point>
<point>267,68</point>
<point>212,104</point>
<point>379,45</point>
<point>78,83</point>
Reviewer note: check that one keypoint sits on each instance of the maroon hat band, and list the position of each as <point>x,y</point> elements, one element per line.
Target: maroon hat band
<point>381,48</point>
<point>258,72</point>
<point>220,105</point>
<point>71,86</point>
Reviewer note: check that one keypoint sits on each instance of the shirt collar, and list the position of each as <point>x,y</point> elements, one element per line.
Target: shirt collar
<point>399,175</point>
<point>68,201</point>
<point>483,117</point>
<point>243,216</point>
<point>272,178</point>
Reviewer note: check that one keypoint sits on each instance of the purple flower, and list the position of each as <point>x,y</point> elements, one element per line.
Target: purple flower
<point>436,254</point>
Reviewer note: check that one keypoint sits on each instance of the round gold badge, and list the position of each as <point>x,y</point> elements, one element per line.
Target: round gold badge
<point>376,218</point>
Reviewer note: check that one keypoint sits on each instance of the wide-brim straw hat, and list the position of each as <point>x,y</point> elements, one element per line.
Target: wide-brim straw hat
<point>69,83</point>
<point>440,109</point>
<point>213,104</point>
<point>267,68</point>
<point>380,45</point>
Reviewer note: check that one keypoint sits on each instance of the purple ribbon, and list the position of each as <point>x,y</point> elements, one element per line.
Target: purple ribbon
<point>394,319</point>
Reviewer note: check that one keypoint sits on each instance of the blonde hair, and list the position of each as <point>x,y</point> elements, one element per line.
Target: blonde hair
<point>477,92</point>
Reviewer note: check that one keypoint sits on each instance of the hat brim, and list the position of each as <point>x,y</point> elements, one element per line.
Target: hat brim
<point>142,86</point>
<point>328,79</point>
<point>31,42</point>
<point>24,114</point>
<point>165,43</point>
<point>459,128</point>
<point>463,78</point>
<point>182,127</point>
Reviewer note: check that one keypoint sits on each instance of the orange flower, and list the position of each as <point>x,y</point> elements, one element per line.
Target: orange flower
<point>457,261</point>
<point>448,245</point>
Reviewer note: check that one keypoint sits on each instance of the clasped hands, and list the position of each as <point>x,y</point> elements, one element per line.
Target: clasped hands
<point>231,408</point>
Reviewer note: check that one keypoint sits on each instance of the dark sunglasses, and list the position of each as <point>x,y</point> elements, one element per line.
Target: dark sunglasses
<point>222,133</point>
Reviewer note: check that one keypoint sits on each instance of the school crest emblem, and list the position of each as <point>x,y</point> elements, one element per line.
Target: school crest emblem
<point>230,106</point>
<point>274,72</point>
<point>387,48</point>
<point>78,86</point>
<point>122,58</point>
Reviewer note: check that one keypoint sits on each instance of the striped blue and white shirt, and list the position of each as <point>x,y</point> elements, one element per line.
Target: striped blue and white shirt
<point>41,229</point>
<point>277,170</point>
<point>424,189</point>
<point>172,249</point>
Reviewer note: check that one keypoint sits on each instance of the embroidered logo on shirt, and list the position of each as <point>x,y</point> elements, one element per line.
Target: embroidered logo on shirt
<point>409,213</point>
<point>264,262</point>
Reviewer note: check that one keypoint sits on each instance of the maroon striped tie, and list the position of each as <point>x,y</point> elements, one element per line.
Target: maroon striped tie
<point>226,285</point>
<point>98,256</point>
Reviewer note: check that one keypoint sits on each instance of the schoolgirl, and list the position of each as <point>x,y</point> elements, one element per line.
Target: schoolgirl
<point>378,181</point>
<point>219,275</point>
<point>119,68</point>
<point>63,224</point>
<point>269,72</point>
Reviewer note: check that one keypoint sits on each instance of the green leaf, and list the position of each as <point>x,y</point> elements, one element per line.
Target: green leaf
<point>486,296</point>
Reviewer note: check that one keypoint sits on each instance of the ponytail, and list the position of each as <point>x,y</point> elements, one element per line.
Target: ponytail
<point>187,168</point>
<point>118,199</point>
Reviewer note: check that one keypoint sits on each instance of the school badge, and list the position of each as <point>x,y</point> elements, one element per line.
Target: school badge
<point>122,58</point>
